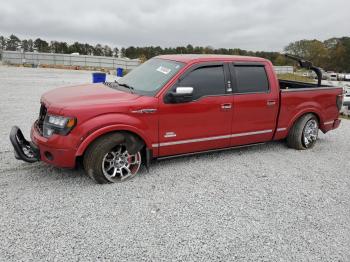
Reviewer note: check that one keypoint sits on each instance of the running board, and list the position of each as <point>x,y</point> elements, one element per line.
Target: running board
<point>207,151</point>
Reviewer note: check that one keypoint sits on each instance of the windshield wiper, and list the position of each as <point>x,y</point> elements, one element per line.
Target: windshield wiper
<point>132,89</point>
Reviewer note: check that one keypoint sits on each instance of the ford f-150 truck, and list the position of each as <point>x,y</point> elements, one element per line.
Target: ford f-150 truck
<point>174,105</point>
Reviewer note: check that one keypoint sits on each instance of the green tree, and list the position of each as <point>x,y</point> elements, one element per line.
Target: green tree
<point>41,45</point>
<point>25,45</point>
<point>189,49</point>
<point>115,51</point>
<point>30,45</point>
<point>130,52</point>
<point>55,47</point>
<point>12,43</point>
<point>122,52</point>
<point>107,51</point>
<point>2,42</point>
<point>89,49</point>
<point>98,50</point>
<point>340,56</point>
<point>312,50</point>
<point>76,47</point>
<point>63,47</point>
<point>198,50</point>
<point>280,60</point>
<point>208,50</point>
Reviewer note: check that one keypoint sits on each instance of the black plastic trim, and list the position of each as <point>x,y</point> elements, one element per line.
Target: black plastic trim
<point>19,142</point>
<point>208,151</point>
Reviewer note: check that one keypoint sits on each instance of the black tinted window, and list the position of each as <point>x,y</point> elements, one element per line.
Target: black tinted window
<point>251,79</point>
<point>205,81</point>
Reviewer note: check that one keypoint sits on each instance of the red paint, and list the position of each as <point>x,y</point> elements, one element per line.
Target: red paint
<point>100,109</point>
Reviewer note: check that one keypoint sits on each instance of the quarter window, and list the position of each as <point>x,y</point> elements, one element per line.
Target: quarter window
<point>251,79</point>
<point>206,81</point>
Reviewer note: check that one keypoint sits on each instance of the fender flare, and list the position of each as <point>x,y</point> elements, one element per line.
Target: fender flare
<point>108,129</point>
<point>304,112</point>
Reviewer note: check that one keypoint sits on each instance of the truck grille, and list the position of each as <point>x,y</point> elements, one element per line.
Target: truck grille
<point>42,115</point>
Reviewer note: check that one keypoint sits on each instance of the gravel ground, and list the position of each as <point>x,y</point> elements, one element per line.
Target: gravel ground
<point>261,203</point>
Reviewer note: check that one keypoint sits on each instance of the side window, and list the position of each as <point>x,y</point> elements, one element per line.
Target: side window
<point>206,81</point>
<point>251,79</point>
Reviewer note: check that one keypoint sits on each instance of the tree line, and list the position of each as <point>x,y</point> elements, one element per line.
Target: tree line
<point>332,54</point>
<point>13,43</point>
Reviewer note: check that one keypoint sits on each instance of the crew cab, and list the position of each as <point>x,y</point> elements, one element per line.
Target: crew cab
<point>175,105</point>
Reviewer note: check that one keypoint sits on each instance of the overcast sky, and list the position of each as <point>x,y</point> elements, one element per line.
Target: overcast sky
<point>248,24</point>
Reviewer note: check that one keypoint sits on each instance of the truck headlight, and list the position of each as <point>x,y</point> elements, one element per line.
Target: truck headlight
<point>61,125</point>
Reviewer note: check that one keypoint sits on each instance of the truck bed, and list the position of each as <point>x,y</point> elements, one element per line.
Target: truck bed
<point>297,98</point>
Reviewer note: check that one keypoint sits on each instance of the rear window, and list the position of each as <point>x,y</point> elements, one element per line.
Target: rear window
<point>251,79</point>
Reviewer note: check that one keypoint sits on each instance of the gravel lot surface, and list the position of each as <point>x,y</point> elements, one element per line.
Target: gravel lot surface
<point>260,203</point>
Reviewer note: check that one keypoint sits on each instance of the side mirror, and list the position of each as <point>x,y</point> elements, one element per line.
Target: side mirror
<point>180,95</point>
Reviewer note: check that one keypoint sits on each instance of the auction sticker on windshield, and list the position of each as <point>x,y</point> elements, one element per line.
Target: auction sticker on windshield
<point>163,70</point>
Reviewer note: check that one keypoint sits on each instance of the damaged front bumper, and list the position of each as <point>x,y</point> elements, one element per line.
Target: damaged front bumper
<point>24,150</point>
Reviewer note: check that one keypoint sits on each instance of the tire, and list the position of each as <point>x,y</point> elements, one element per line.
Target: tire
<point>107,160</point>
<point>304,133</point>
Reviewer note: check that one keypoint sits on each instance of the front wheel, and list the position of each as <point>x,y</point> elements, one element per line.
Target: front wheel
<point>304,133</point>
<point>107,160</point>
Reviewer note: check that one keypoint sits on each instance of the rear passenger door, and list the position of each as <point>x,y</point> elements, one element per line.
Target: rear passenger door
<point>255,103</point>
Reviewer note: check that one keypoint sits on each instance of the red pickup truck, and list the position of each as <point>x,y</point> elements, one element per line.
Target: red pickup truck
<point>175,105</point>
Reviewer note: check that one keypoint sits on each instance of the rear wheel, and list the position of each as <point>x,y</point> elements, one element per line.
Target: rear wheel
<point>304,133</point>
<point>107,160</point>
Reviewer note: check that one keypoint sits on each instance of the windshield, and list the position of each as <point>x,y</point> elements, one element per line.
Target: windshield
<point>151,76</point>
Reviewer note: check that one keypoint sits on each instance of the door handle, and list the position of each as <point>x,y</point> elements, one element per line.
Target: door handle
<point>226,106</point>
<point>271,103</point>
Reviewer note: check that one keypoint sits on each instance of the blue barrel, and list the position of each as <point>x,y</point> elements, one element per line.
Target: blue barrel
<point>120,72</point>
<point>98,77</point>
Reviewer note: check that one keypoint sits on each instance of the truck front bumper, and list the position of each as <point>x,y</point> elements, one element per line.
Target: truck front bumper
<point>41,149</point>
<point>24,150</point>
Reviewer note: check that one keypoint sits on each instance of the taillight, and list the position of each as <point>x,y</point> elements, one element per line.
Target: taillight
<point>340,101</point>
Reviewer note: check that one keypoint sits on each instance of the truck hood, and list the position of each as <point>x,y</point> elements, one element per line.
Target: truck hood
<point>84,96</point>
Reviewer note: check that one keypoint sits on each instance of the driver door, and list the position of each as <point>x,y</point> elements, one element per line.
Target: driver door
<point>203,122</point>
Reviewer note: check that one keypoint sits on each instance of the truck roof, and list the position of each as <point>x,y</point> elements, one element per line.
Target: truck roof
<point>190,58</point>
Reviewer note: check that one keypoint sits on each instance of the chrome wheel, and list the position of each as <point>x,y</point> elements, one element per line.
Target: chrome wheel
<point>310,132</point>
<point>118,165</point>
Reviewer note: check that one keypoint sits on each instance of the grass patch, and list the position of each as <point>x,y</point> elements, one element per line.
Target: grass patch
<point>294,77</point>
<point>344,116</point>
